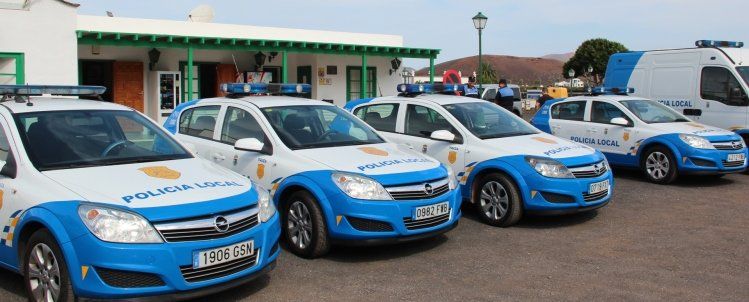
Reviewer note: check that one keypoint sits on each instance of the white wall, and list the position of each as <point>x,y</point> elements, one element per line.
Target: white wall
<point>45,33</point>
<point>337,91</point>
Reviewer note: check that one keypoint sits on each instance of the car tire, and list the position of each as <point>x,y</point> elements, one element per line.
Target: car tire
<point>46,273</point>
<point>497,200</point>
<point>659,165</point>
<point>304,226</point>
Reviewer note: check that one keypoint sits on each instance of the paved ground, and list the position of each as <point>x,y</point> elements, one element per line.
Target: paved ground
<point>686,242</point>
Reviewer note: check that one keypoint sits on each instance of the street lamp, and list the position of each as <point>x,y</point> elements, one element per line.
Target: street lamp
<point>479,22</point>
<point>590,73</point>
<point>571,73</point>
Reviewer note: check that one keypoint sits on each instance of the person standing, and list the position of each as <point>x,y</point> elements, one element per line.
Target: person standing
<point>540,102</point>
<point>505,96</point>
<point>471,90</point>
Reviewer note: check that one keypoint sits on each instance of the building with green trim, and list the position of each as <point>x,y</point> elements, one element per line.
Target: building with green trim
<point>126,54</point>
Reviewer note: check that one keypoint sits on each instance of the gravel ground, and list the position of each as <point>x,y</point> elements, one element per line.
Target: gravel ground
<point>684,242</point>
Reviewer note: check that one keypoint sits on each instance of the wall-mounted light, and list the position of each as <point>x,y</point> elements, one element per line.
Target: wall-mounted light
<point>395,64</point>
<point>153,58</point>
<point>95,49</point>
<point>272,56</point>
<point>260,59</point>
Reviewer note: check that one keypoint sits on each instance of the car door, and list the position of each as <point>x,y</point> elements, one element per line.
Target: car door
<point>383,117</point>
<point>567,120</point>
<point>10,207</point>
<point>417,124</point>
<point>197,129</point>
<point>240,122</point>
<point>608,137</point>
<point>725,103</point>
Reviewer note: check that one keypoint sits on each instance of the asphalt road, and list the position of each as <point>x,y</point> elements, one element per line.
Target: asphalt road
<point>684,242</point>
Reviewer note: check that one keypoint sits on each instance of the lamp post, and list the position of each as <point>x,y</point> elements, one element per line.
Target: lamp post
<point>479,22</point>
<point>571,73</point>
<point>590,73</point>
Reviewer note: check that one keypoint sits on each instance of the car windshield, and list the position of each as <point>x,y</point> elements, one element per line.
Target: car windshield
<point>652,112</point>
<point>744,72</point>
<point>318,126</point>
<point>487,120</point>
<point>87,138</point>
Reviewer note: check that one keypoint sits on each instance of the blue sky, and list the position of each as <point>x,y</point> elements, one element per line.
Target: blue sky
<point>520,28</point>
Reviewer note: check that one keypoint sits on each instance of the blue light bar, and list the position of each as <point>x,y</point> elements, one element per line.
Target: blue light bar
<point>262,88</point>
<point>716,43</point>
<point>51,89</point>
<point>612,90</point>
<point>428,88</point>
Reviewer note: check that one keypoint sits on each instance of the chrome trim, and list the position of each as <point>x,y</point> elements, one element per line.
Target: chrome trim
<point>418,187</point>
<point>594,170</point>
<point>729,145</point>
<point>205,222</point>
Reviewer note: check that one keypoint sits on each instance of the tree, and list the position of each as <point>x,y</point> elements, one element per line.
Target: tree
<point>488,75</point>
<point>594,53</point>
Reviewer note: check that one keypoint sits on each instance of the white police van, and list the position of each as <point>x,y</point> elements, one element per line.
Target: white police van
<point>334,179</point>
<point>505,166</point>
<point>97,201</point>
<point>709,83</point>
<point>645,134</point>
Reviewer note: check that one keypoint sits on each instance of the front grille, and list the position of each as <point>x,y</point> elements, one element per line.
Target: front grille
<point>593,197</point>
<point>128,279</point>
<point>205,228</point>
<point>425,223</point>
<point>702,162</point>
<point>732,164</point>
<point>729,145</point>
<point>217,271</point>
<point>589,171</point>
<point>369,225</point>
<point>420,191</point>
<point>557,198</point>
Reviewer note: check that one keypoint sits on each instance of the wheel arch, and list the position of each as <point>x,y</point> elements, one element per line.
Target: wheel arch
<point>647,145</point>
<point>494,166</point>
<point>34,220</point>
<point>297,183</point>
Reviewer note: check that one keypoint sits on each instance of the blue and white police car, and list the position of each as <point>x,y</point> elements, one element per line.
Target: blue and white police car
<point>334,179</point>
<point>97,201</point>
<point>642,133</point>
<point>505,166</point>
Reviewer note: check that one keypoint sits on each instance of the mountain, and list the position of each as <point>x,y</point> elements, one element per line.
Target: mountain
<point>517,70</point>
<point>564,57</point>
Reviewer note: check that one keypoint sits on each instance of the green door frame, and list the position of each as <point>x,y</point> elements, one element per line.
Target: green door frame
<point>20,73</point>
<point>185,74</point>
<point>373,80</point>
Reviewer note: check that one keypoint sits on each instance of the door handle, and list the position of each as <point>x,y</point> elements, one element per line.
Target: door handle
<point>592,131</point>
<point>218,156</point>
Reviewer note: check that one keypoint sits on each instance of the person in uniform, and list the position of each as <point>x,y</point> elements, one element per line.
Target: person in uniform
<point>505,96</point>
<point>471,90</point>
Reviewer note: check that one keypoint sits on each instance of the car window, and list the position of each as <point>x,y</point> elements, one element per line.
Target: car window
<point>239,124</point>
<point>572,111</point>
<point>4,145</point>
<point>487,120</point>
<point>718,84</point>
<point>490,93</point>
<point>199,121</point>
<point>653,112</point>
<point>84,138</point>
<point>602,112</point>
<point>381,117</point>
<point>422,121</point>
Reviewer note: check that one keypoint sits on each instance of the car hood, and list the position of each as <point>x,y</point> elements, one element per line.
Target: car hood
<point>690,128</point>
<point>541,144</point>
<point>153,184</point>
<point>377,159</point>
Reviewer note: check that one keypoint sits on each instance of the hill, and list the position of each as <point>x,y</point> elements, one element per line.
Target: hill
<point>564,57</point>
<point>517,70</point>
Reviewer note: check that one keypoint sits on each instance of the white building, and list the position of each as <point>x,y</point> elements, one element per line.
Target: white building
<point>47,42</point>
<point>576,83</point>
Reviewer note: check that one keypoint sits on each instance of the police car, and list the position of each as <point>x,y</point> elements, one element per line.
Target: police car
<point>505,166</point>
<point>333,178</point>
<point>96,201</point>
<point>637,132</point>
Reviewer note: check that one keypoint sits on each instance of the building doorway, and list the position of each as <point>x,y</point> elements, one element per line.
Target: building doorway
<point>353,82</point>
<point>98,73</point>
<point>204,82</point>
<point>304,76</point>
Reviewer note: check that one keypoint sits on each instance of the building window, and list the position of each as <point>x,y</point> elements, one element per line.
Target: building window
<point>11,68</point>
<point>353,82</point>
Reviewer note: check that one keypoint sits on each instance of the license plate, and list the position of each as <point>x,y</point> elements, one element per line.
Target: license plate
<point>598,187</point>
<point>223,254</point>
<point>431,211</point>
<point>736,157</point>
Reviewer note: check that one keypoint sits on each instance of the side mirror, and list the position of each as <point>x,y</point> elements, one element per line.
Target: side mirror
<point>620,121</point>
<point>249,144</point>
<point>8,168</point>
<point>443,135</point>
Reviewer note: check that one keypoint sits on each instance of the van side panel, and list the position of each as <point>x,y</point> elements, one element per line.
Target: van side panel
<point>620,68</point>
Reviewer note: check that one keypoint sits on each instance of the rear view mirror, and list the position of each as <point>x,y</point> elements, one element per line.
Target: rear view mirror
<point>620,121</point>
<point>443,135</point>
<point>249,144</point>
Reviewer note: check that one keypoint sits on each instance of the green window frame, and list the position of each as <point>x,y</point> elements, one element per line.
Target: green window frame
<point>355,82</point>
<point>19,70</point>
<point>183,80</point>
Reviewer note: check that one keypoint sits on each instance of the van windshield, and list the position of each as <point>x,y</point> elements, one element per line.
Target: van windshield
<point>744,72</point>
<point>88,138</point>
<point>318,126</point>
<point>487,120</point>
<point>652,112</point>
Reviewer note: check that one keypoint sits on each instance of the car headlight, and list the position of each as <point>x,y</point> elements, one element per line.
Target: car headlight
<point>360,187</point>
<point>267,208</point>
<point>119,226</point>
<point>549,167</point>
<point>696,141</point>
<point>452,181</point>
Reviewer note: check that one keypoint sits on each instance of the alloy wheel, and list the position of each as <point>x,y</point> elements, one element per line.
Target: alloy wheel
<point>44,274</point>
<point>657,165</point>
<point>494,200</point>
<point>299,224</point>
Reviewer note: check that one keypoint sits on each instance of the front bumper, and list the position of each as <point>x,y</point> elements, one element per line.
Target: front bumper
<point>544,195</point>
<point>390,215</point>
<point>709,161</point>
<point>87,257</point>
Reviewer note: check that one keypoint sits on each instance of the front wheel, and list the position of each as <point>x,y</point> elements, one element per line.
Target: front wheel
<point>659,165</point>
<point>304,226</point>
<point>497,200</point>
<point>45,272</point>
